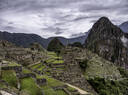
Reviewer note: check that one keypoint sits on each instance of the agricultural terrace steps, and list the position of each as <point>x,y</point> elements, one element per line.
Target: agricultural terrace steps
<point>34,63</point>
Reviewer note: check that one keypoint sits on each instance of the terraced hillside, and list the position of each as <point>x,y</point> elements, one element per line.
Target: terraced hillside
<point>75,71</point>
<point>77,67</point>
<point>105,77</point>
<point>23,56</point>
<point>18,80</point>
<point>63,69</point>
<point>25,71</point>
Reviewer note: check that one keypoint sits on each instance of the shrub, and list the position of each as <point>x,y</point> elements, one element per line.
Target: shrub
<point>123,72</point>
<point>109,87</point>
<point>83,64</point>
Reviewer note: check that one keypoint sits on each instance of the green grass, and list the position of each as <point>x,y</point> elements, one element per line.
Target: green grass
<point>2,85</point>
<point>58,61</point>
<point>70,89</point>
<point>109,87</point>
<point>49,91</point>
<point>13,64</point>
<point>55,61</point>
<point>51,53</point>
<point>54,55</point>
<point>41,68</point>
<point>29,85</point>
<point>35,66</point>
<point>123,72</point>
<point>10,77</point>
<point>51,82</point>
<point>61,92</point>
<point>50,60</point>
<point>25,71</point>
<point>99,67</point>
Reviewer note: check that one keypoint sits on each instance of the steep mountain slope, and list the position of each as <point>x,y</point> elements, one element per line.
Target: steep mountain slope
<point>25,40</point>
<point>22,39</point>
<point>124,27</point>
<point>106,40</point>
<point>104,76</point>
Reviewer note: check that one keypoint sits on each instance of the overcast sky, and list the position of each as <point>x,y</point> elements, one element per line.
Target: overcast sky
<point>67,18</point>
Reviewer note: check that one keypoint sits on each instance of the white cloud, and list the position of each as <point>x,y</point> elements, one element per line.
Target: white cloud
<point>125,41</point>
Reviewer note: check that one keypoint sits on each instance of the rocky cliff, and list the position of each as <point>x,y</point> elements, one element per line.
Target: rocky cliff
<point>108,41</point>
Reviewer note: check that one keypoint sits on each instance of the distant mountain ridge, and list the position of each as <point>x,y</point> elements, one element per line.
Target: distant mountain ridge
<point>22,39</point>
<point>124,27</point>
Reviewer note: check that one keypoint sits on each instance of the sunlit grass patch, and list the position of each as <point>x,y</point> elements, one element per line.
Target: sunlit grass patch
<point>26,70</point>
<point>29,85</point>
<point>51,82</point>
<point>58,61</point>
<point>71,89</point>
<point>41,68</point>
<point>61,92</point>
<point>10,77</point>
<point>35,66</point>
<point>2,85</point>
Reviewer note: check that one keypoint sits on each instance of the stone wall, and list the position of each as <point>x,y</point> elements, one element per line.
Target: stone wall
<point>41,81</point>
<point>16,68</point>
<point>21,76</point>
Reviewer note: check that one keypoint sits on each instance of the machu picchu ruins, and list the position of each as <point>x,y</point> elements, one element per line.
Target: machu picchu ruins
<point>63,47</point>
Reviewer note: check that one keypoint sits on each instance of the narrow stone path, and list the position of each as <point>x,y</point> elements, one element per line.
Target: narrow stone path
<point>78,89</point>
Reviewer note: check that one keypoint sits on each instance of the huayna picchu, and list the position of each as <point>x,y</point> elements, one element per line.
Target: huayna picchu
<point>108,41</point>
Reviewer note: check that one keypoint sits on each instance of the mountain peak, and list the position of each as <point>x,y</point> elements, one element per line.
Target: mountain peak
<point>103,22</point>
<point>104,19</point>
<point>124,27</point>
<point>104,28</point>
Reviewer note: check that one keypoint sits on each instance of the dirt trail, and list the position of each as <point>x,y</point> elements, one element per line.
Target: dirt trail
<point>5,93</point>
<point>79,90</point>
